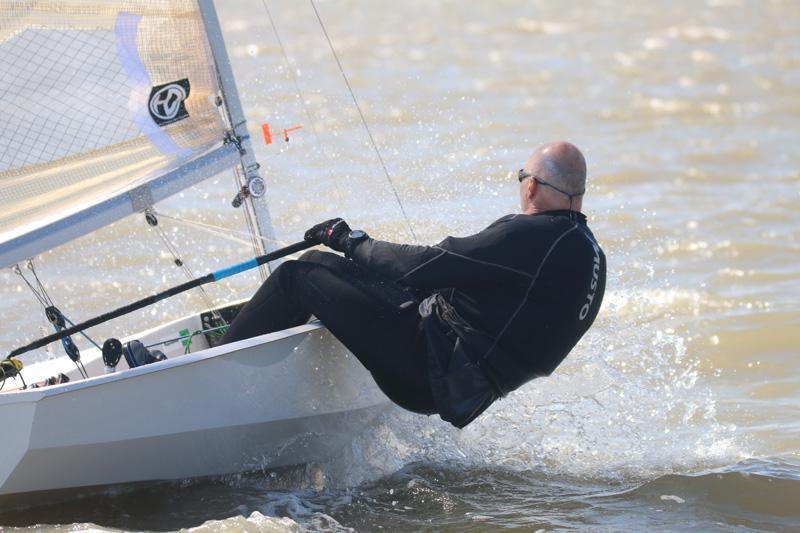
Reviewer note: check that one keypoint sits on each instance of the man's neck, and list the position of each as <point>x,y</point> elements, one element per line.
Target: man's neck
<point>537,209</point>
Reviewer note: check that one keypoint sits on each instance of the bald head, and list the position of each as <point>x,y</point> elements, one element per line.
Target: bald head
<point>561,165</point>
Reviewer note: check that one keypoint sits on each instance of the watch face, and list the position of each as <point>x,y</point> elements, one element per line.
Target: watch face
<point>357,234</point>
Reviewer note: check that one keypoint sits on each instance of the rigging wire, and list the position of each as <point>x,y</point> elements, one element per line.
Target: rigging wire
<point>249,218</point>
<point>220,231</point>
<point>241,182</point>
<point>40,292</point>
<point>38,296</point>
<point>296,82</point>
<point>173,250</point>
<point>364,122</point>
<point>39,283</point>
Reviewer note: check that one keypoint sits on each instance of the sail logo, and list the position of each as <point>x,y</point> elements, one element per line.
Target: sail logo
<point>168,102</point>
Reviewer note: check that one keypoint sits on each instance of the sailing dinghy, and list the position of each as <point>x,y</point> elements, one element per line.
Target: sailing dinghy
<point>108,107</point>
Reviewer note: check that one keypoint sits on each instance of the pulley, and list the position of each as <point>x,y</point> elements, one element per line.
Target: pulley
<point>55,317</point>
<point>256,187</point>
<point>151,219</point>
<point>58,321</point>
<point>112,353</point>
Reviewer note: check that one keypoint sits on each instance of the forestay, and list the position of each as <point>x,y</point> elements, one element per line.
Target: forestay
<point>105,107</point>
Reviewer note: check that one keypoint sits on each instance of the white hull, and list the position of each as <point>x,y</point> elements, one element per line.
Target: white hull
<point>280,399</point>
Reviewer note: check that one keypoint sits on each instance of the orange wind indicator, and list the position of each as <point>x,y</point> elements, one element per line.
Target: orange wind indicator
<point>268,133</point>
<point>287,130</point>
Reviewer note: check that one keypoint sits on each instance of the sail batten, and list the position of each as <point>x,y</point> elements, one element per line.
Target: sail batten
<point>100,98</point>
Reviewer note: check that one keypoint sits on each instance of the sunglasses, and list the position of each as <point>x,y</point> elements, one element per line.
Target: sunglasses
<point>522,175</point>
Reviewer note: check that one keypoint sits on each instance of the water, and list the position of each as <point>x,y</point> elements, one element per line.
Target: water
<point>678,411</point>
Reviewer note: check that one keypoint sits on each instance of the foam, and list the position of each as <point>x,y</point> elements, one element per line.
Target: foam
<point>628,403</point>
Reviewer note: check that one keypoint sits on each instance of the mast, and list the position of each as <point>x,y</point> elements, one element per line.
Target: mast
<point>256,187</point>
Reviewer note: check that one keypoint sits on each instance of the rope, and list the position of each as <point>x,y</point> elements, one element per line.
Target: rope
<point>40,292</point>
<point>248,218</point>
<point>223,232</point>
<point>364,122</point>
<point>219,231</point>
<point>216,332</point>
<point>144,302</point>
<point>173,250</point>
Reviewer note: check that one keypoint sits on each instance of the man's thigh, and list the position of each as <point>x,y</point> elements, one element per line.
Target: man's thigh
<point>364,314</point>
<point>368,281</point>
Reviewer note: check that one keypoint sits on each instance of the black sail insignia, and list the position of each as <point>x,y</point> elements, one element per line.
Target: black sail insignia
<point>167,102</point>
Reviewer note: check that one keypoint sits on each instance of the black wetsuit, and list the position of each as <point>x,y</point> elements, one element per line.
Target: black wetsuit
<point>448,328</point>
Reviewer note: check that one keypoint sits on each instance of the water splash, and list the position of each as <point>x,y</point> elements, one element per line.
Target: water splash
<point>629,403</point>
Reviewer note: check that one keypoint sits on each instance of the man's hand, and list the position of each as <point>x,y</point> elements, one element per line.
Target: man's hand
<point>332,233</point>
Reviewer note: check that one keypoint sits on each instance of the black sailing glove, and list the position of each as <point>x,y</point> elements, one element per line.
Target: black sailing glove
<point>332,233</point>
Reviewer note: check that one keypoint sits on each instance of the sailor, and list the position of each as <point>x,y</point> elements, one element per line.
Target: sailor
<point>451,328</point>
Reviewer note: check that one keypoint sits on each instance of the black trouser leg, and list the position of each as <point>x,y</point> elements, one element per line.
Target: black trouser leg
<point>358,308</point>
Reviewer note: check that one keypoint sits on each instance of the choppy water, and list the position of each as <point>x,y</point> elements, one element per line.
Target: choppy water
<point>678,411</point>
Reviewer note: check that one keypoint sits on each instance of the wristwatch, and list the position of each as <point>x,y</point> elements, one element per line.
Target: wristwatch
<point>357,235</point>
<point>353,238</point>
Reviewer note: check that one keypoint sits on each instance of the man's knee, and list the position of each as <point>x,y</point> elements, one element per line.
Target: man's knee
<point>288,271</point>
<point>291,266</point>
<point>293,272</point>
<point>308,261</point>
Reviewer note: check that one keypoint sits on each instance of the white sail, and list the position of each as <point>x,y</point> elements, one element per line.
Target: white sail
<point>106,106</point>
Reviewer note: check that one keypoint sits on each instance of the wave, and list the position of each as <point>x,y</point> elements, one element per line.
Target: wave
<point>757,493</point>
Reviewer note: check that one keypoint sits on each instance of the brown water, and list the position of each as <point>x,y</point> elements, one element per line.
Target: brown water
<point>678,411</point>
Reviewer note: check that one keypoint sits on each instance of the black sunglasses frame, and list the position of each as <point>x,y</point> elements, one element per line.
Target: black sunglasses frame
<point>522,175</point>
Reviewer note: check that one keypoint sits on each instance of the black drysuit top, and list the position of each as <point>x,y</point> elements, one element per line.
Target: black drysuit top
<point>500,307</point>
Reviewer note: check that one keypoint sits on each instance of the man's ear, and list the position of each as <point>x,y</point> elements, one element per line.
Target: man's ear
<point>532,188</point>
